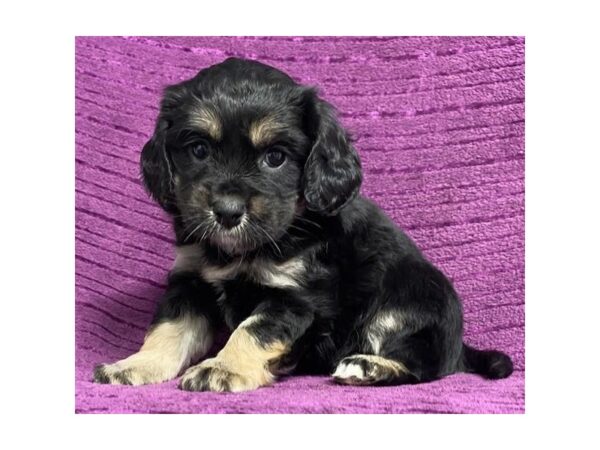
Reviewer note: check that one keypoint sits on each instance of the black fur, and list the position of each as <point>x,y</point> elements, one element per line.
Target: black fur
<point>357,263</point>
<point>332,173</point>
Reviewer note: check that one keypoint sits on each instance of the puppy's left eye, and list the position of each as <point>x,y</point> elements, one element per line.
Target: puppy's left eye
<point>274,158</point>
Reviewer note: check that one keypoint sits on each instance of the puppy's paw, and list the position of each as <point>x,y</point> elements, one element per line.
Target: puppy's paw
<point>364,370</point>
<point>219,376</point>
<point>114,374</point>
<point>132,371</point>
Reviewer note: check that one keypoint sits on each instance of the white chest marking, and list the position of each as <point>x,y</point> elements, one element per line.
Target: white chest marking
<point>287,274</point>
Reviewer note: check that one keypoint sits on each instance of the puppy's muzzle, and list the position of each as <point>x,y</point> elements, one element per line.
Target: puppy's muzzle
<point>229,210</point>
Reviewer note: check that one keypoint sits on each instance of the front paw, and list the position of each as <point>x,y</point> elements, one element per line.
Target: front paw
<point>113,374</point>
<point>219,376</point>
<point>133,372</point>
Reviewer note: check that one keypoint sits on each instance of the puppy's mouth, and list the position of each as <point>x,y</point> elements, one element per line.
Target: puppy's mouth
<point>245,235</point>
<point>232,239</point>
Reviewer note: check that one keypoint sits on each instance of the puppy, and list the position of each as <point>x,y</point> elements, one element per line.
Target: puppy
<point>275,244</point>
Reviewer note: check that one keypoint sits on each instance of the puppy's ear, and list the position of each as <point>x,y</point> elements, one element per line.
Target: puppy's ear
<point>332,173</point>
<point>157,169</point>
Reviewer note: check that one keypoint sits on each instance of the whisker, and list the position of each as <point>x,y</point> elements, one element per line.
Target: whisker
<point>260,228</point>
<point>304,230</point>
<point>192,232</point>
<point>203,222</point>
<point>304,219</point>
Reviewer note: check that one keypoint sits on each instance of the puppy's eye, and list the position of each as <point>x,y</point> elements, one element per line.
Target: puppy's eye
<point>274,158</point>
<point>199,149</point>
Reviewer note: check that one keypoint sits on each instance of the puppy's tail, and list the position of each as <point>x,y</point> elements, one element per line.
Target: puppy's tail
<point>491,364</point>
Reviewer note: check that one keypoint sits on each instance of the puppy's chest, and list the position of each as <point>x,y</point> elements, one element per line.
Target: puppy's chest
<point>289,274</point>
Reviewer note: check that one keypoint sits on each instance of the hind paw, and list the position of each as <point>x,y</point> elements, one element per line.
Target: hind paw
<point>364,370</point>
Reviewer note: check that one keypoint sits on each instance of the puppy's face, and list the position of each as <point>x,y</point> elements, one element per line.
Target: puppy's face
<point>240,150</point>
<point>238,154</point>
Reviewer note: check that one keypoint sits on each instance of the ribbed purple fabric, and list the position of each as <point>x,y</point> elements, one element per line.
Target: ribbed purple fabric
<point>439,124</point>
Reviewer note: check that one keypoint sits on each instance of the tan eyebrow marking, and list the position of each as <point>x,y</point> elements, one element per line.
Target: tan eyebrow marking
<point>207,119</point>
<point>263,130</point>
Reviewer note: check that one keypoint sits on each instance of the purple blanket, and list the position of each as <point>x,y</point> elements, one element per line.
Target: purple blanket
<point>439,124</point>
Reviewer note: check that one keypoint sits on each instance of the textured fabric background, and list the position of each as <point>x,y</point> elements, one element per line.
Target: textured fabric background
<point>439,124</point>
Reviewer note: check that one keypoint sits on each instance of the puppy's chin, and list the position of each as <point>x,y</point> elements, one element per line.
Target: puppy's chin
<point>242,240</point>
<point>229,242</point>
<point>233,241</point>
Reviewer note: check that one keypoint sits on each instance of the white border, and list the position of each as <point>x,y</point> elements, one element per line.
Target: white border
<point>561,198</point>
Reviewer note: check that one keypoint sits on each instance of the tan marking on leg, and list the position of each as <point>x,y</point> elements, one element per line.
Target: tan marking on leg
<point>262,131</point>
<point>397,368</point>
<point>167,349</point>
<point>243,364</point>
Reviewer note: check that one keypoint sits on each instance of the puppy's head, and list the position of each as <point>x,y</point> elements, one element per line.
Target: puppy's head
<point>241,149</point>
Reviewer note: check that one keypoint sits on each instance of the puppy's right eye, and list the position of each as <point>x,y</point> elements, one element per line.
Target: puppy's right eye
<point>199,150</point>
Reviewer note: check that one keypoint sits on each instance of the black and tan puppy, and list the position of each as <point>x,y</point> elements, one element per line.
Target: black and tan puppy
<point>274,243</point>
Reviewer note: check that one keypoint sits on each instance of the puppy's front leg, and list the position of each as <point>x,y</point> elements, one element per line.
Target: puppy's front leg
<point>181,331</point>
<point>252,352</point>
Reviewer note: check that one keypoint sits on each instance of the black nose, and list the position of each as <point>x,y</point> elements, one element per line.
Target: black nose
<point>229,211</point>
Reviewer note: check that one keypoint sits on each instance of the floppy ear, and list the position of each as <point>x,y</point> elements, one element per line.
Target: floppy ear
<point>157,170</point>
<point>332,173</point>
